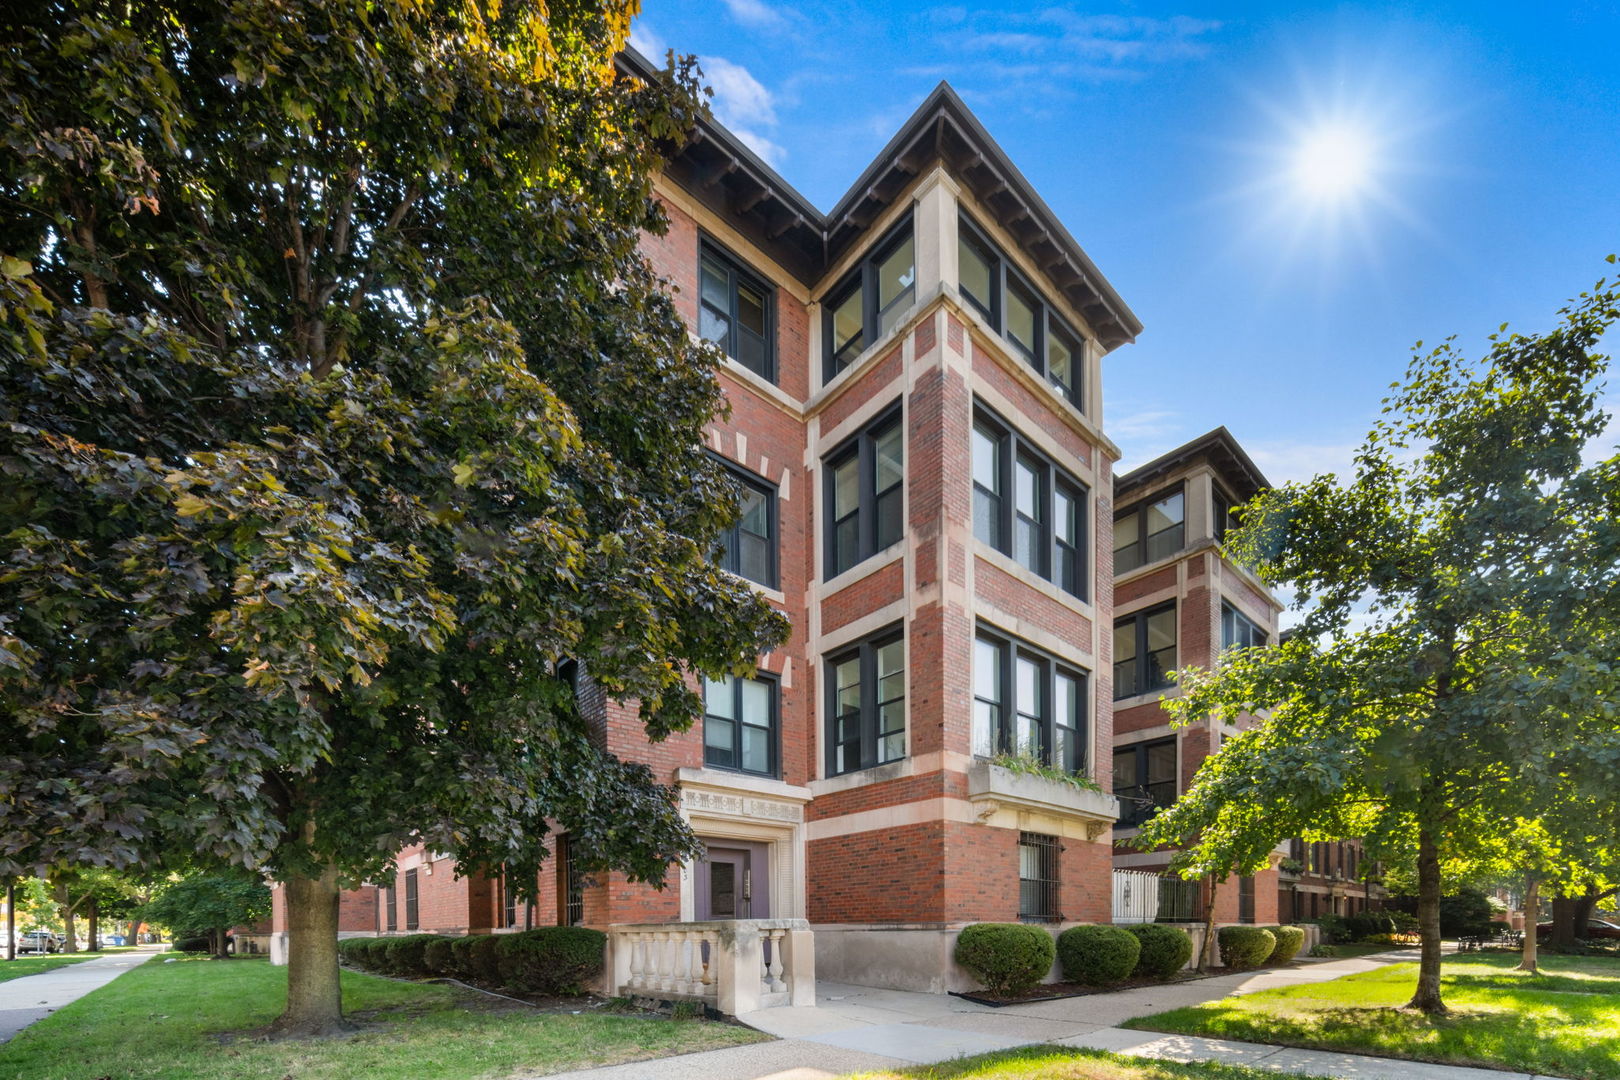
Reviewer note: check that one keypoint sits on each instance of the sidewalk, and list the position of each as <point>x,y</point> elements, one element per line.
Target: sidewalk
<point>856,1028</point>
<point>33,997</point>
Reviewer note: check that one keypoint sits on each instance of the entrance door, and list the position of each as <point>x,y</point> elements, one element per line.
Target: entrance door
<point>733,882</point>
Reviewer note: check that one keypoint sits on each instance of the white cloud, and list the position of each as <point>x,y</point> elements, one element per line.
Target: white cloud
<point>647,43</point>
<point>756,14</point>
<point>1286,462</point>
<point>744,105</point>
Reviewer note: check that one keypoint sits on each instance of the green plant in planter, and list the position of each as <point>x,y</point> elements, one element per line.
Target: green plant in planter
<point>1026,764</point>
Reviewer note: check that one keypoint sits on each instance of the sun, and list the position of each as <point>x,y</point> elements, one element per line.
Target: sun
<point>1334,162</point>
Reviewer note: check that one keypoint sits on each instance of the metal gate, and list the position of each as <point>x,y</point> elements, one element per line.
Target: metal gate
<point>1136,896</point>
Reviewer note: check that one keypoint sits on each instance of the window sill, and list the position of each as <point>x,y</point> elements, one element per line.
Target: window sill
<point>1009,565</point>
<point>762,386</point>
<point>877,774</point>
<point>776,596</point>
<point>732,782</point>
<point>992,788</point>
<point>1152,697</point>
<point>869,565</point>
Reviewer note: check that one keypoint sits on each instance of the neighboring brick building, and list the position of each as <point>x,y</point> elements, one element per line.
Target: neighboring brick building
<point>916,424</point>
<point>1179,600</point>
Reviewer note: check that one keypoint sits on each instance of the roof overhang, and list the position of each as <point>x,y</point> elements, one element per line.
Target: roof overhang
<point>1223,453</point>
<point>724,175</point>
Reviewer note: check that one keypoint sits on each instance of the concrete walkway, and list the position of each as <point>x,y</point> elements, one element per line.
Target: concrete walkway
<point>854,1028</point>
<point>29,998</point>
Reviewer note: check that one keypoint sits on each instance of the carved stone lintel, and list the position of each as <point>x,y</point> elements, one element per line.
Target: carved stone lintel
<point>986,809</point>
<point>740,806</point>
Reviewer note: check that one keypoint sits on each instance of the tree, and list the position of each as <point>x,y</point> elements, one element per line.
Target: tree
<point>342,422</point>
<point>209,904</point>
<point>1454,660</point>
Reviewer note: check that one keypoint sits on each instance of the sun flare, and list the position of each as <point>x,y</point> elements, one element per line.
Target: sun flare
<point>1333,162</point>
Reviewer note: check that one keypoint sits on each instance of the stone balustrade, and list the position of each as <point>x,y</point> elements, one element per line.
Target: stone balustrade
<point>733,966</point>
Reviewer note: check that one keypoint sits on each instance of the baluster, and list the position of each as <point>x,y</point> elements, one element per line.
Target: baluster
<point>708,955</point>
<point>665,974</point>
<point>774,973</point>
<point>638,961</point>
<point>683,962</point>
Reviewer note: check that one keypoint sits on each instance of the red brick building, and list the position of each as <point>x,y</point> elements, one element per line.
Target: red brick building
<point>916,425</point>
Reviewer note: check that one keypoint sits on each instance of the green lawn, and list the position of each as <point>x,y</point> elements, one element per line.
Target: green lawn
<point>1342,952</point>
<point>33,965</point>
<point>190,1020</point>
<point>1564,1022</point>
<point>1063,1063</point>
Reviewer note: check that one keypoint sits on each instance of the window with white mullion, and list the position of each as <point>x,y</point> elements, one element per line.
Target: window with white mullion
<point>1026,506</point>
<point>867,704</point>
<point>1028,703</point>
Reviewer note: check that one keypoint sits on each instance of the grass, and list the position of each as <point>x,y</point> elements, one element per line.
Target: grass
<point>1062,1063</point>
<point>192,1019</point>
<point>1344,952</point>
<point>33,965</point>
<point>1563,1022</point>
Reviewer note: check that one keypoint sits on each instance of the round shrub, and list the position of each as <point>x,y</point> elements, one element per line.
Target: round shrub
<point>476,958</point>
<point>550,959</point>
<point>437,958</point>
<point>1007,957</point>
<point>1245,946</point>
<point>1290,939</point>
<point>461,957</point>
<point>351,949</point>
<point>371,954</point>
<point>1165,949</point>
<point>1098,955</point>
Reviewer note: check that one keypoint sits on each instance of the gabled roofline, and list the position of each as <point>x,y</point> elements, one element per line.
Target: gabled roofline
<point>1218,447</point>
<point>723,174</point>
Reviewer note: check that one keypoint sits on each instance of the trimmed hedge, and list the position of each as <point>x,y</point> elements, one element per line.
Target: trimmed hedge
<point>1290,939</point>
<point>193,944</point>
<point>403,955</point>
<point>437,957</point>
<point>1245,947</point>
<point>1098,955</point>
<point>1007,957</point>
<point>1165,949</point>
<point>550,959</point>
<point>351,951</point>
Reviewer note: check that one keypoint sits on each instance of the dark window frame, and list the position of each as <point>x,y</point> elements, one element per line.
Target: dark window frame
<point>1134,814</point>
<point>869,737</point>
<point>413,906</point>
<point>1011,447</point>
<point>1246,899</point>
<point>729,541</point>
<point>1003,732</point>
<point>739,273</point>
<point>863,446</point>
<point>391,907</point>
<point>1143,537</point>
<point>773,727</point>
<point>1039,897</point>
<point>1223,513</point>
<point>1143,657</point>
<point>1047,321</point>
<point>1236,626</point>
<point>570,885</point>
<point>864,279</point>
<point>509,904</point>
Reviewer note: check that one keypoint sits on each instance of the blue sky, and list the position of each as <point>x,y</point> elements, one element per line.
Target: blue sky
<point>1167,138</point>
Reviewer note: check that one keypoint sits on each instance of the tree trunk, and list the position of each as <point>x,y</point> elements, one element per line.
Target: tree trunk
<point>11,920</point>
<point>314,998</point>
<point>1206,955</point>
<point>1427,997</point>
<point>129,938</point>
<point>1532,904</point>
<point>1564,919</point>
<point>93,918</point>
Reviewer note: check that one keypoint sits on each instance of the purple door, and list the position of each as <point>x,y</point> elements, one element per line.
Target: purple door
<point>733,882</point>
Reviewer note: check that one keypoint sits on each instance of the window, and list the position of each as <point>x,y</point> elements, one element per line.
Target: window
<point>1144,779</point>
<point>1027,702</point>
<point>1148,532</point>
<point>1224,513</point>
<point>866,687</point>
<point>1238,631</point>
<point>735,312</point>
<point>392,907</point>
<point>1026,506</point>
<point>1038,878</point>
<point>570,885</point>
<point>865,491</point>
<point>411,906</point>
<point>1144,651</point>
<point>869,303</point>
<point>739,724</point>
<point>748,548</point>
<point>509,901</point>
<point>1013,307</point>
<point>1246,899</point>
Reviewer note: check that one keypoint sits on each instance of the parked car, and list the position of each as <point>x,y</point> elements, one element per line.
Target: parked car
<point>38,941</point>
<point>111,940</point>
<point>1595,928</point>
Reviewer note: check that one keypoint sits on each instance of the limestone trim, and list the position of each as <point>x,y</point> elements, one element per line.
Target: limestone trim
<point>1025,576</point>
<point>730,806</point>
<point>1036,804</point>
